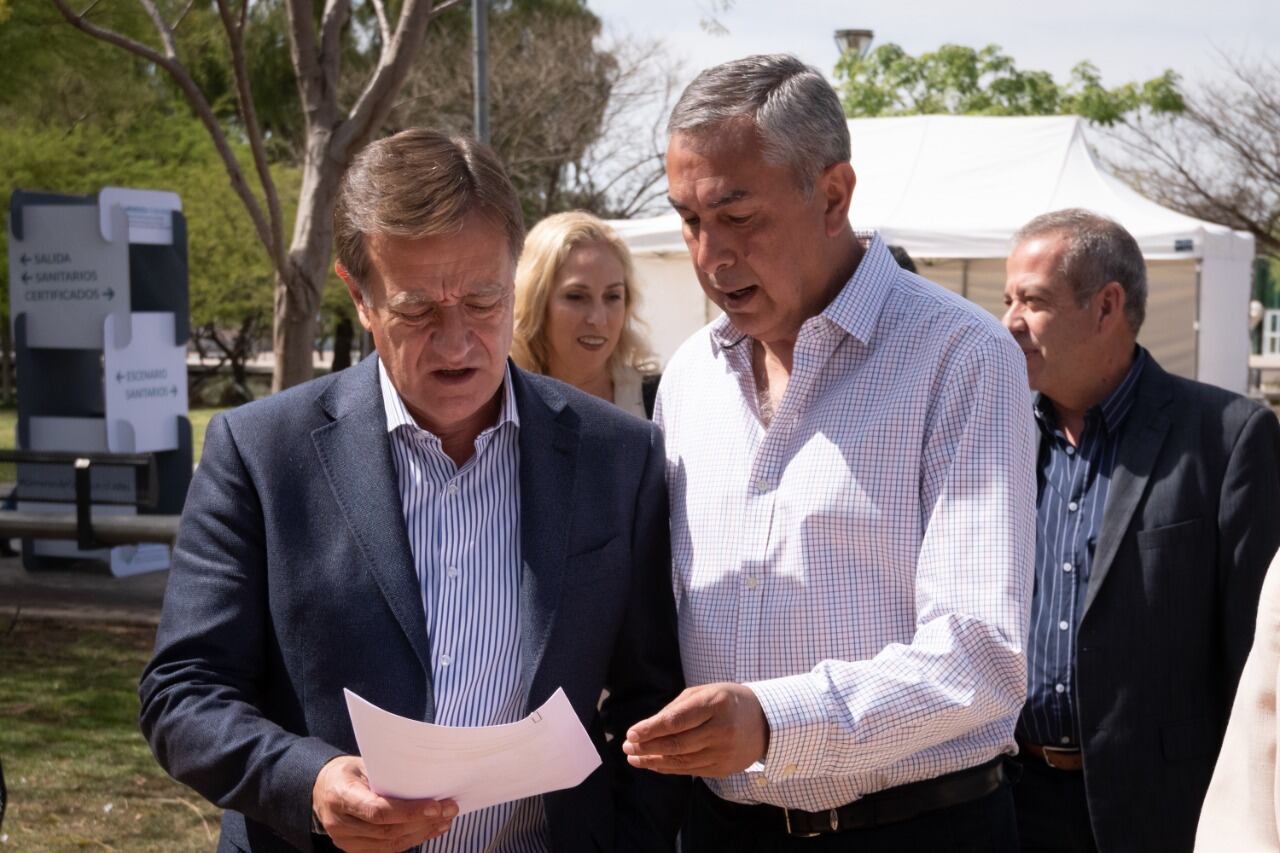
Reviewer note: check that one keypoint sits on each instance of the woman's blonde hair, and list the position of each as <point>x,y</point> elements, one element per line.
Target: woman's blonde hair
<point>545,250</point>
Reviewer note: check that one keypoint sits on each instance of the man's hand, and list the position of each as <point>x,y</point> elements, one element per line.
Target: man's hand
<point>360,821</point>
<point>712,730</point>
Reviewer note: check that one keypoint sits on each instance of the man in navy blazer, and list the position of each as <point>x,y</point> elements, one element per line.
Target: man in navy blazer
<point>1156,520</point>
<point>447,536</point>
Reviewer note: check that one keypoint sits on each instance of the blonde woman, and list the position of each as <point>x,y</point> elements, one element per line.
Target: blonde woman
<point>576,312</point>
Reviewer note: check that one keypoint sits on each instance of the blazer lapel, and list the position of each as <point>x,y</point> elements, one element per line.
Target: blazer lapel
<point>355,453</point>
<point>548,457</point>
<point>1144,435</point>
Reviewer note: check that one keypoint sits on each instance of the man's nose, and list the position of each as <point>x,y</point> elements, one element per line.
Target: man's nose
<point>1012,318</point>
<point>449,337</point>
<point>713,253</point>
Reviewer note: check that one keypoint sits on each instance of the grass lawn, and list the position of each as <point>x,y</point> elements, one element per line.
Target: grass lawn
<point>79,774</point>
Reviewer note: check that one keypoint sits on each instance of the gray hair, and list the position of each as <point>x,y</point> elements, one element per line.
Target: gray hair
<point>1098,251</point>
<point>791,105</point>
<point>416,183</point>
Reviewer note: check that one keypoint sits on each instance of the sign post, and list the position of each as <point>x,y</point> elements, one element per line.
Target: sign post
<point>99,305</point>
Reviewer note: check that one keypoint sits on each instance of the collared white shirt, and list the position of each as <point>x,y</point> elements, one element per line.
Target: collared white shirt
<point>865,564</point>
<point>464,533</point>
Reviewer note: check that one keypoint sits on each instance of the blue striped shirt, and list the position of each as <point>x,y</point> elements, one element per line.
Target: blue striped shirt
<point>464,533</point>
<point>1073,486</point>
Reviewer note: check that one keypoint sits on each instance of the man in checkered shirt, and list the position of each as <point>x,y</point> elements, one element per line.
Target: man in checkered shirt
<point>850,460</point>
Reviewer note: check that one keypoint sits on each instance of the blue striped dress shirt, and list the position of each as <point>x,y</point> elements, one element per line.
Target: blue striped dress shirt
<point>863,564</point>
<point>464,533</point>
<point>1073,486</point>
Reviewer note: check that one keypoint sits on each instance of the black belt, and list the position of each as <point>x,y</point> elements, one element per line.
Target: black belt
<point>892,805</point>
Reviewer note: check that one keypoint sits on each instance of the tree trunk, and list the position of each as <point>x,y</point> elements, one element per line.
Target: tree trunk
<point>300,284</point>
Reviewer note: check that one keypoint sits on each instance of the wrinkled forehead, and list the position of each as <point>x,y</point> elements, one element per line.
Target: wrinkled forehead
<point>468,263</point>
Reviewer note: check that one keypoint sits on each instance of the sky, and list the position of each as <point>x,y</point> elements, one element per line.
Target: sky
<point>1126,39</point>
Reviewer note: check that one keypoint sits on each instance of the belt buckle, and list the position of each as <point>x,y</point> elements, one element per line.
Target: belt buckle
<point>832,814</point>
<point>1050,751</point>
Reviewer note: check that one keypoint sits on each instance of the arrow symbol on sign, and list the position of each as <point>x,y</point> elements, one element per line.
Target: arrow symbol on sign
<point>110,293</point>
<point>174,389</point>
<point>26,259</point>
<point>26,277</point>
<point>119,376</point>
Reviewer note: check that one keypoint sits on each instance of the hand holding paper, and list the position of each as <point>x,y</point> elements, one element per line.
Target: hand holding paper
<point>360,821</point>
<point>474,767</point>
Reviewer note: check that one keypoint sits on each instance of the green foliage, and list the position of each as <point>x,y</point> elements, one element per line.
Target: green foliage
<point>960,80</point>
<point>230,275</point>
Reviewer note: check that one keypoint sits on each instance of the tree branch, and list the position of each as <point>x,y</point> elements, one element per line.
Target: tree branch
<point>375,102</point>
<point>440,8</point>
<point>194,97</point>
<point>253,130</point>
<point>306,61</point>
<point>384,26</point>
<point>336,13</point>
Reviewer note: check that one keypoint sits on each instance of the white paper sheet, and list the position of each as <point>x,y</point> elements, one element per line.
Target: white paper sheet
<point>475,767</point>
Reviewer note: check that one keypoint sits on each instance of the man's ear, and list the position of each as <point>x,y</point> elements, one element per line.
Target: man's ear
<point>1111,305</point>
<point>356,294</point>
<point>836,184</point>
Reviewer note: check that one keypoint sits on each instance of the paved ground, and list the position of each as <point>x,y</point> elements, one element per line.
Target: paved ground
<point>78,595</point>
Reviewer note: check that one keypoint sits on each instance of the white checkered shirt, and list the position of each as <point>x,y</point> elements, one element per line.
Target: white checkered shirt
<point>864,565</point>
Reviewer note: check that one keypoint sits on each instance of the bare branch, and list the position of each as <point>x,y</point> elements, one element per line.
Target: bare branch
<point>336,13</point>
<point>374,103</point>
<point>166,34</point>
<point>440,8</point>
<point>384,26</point>
<point>182,16</point>
<point>253,130</point>
<point>306,62</point>
<point>197,101</point>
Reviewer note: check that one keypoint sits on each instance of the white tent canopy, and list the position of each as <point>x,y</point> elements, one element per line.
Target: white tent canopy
<point>952,190</point>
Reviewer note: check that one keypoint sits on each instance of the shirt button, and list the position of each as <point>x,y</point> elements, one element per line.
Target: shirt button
<point>1062,626</point>
<point>453,571</point>
<point>1073,506</point>
<point>760,780</point>
<point>762,485</point>
<point>789,770</point>
<point>1071,451</point>
<point>1066,567</point>
<point>1060,688</point>
<point>453,488</point>
<point>751,582</point>
<point>445,660</point>
<point>1065,739</point>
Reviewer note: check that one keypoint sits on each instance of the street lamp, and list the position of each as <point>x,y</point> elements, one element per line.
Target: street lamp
<point>854,41</point>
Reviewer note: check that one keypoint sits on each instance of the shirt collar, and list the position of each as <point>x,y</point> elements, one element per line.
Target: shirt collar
<point>856,308</point>
<point>398,415</point>
<point>1114,407</point>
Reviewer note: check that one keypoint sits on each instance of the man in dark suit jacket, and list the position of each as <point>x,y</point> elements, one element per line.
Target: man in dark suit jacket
<point>320,540</point>
<point>1156,520</point>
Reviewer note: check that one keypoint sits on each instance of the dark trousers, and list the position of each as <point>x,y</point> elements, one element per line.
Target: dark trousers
<point>1053,814</point>
<point>985,825</point>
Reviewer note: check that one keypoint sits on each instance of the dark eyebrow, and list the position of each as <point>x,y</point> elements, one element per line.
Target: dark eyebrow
<point>727,198</point>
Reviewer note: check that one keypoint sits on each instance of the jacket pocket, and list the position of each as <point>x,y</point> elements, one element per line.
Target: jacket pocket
<point>1184,534</point>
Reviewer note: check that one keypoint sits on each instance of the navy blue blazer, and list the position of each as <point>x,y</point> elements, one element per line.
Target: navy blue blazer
<point>1188,531</point>
<point>292,579</point>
